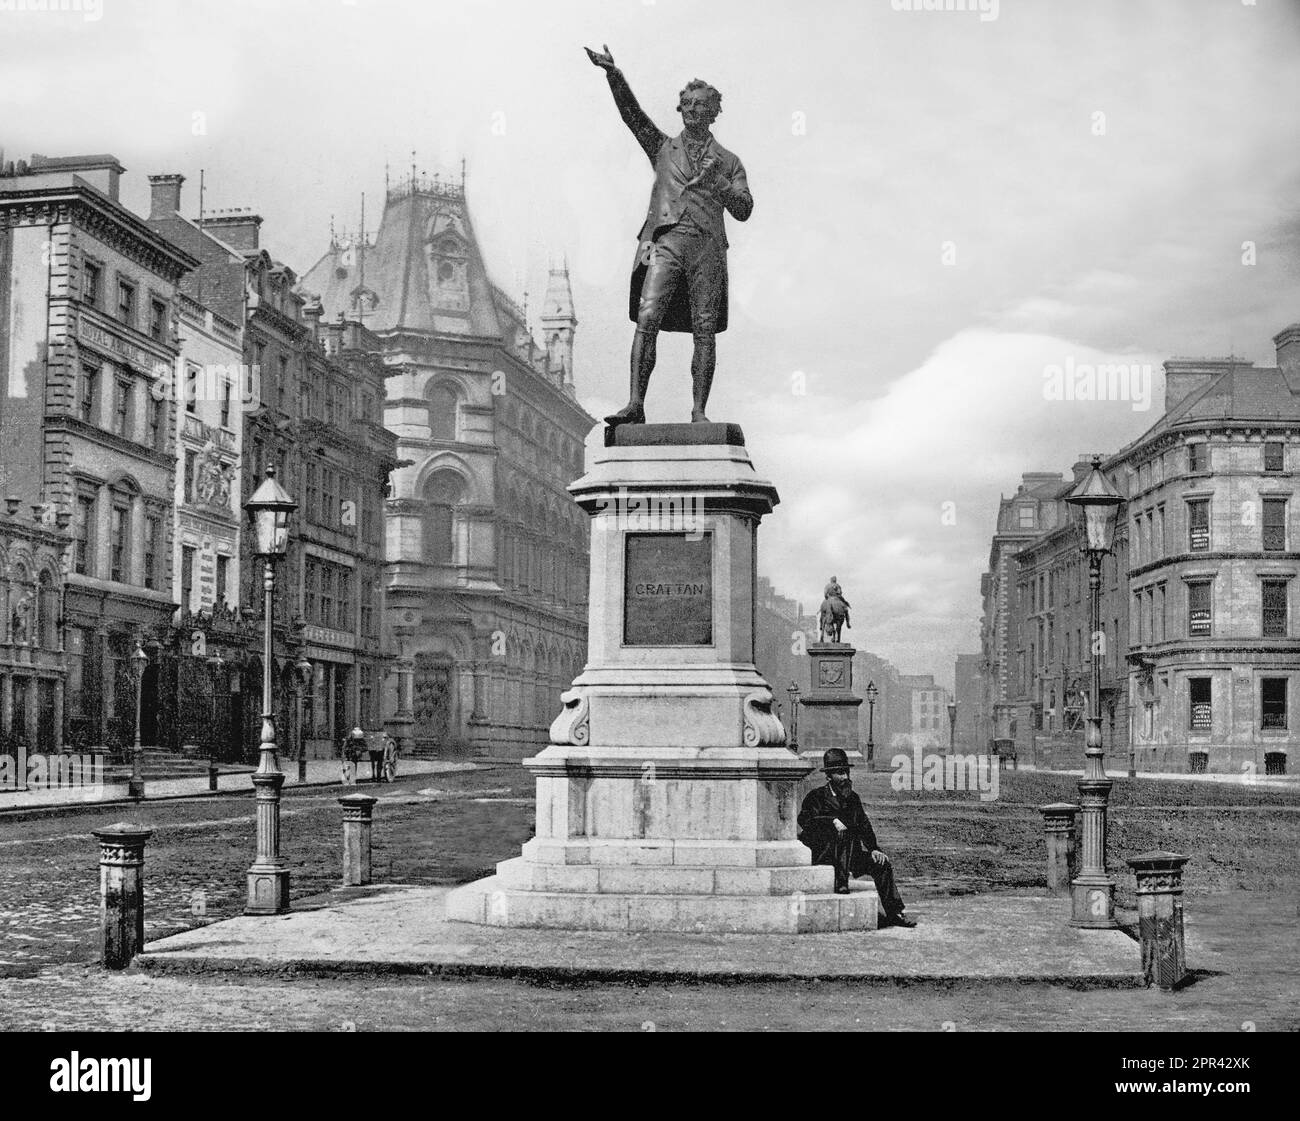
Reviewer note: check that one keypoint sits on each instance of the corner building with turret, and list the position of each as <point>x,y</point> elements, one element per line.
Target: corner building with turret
<point>485,581</point>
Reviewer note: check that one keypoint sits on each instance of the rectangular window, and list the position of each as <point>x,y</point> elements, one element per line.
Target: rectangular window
<point>1273,456</point>
<point>345,600</point>
<point>225,402</point>
<point>282,379</point>
<point>326,594</point>
<point>91,283</point>
<point>86,393</point>
<point>1196,458</point>
<point>126,302</point>
<point>223,577</point>
<point>84,531</point>
<point>257,462</point>
<point>1272,702</point>
<point>1200,716</point>
<point>157,319</point>
<point>121,407</point>
<point>191,388</point>
<point>1160,613</point>
<point>1159,539</point>
<point>1274,596</point>
<point>155,423</point>
<point>1198,608</point>
<point>120,543</point>
<point>329,499</point>
<point>312,513</point>
<point>1198,523</point>
<point>187,478</point>
<point>1274,525</point>
<point>152,540</point>
<point>187,576</point>
<point>310,585</point>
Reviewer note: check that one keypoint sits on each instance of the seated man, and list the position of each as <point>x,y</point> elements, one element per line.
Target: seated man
<point>834,825</point>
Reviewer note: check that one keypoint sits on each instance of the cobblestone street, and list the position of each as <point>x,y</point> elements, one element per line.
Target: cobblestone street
<point>429,829</point>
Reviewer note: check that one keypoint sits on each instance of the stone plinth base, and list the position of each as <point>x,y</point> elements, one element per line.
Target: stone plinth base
<point>681,899</point>
<point>667,798</point>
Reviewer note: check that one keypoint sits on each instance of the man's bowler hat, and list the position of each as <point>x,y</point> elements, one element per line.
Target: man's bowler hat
<point>834,760</point>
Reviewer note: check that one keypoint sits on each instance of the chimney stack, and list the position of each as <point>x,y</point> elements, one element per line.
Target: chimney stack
<point>165,196</point>
<point>239,231</point>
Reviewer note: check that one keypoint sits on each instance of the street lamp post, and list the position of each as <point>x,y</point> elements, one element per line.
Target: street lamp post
<point>952,726</point>
<point>1095,504</point>
<point>872,693</point>
<point>269,513</point>
<point>303,677</point>
<point>135,788</point>
<point>793,690</point>
<point>218,665</point>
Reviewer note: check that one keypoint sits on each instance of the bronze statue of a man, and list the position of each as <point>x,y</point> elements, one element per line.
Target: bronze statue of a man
<point>679,278</point>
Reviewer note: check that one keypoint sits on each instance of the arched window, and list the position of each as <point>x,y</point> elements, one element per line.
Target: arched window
<point>444,406</point>
<point>442,494</point>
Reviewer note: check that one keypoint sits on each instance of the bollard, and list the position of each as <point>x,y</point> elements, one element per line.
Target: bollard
<point>1058,824</point>
<point>357,810</point>
<point>1160,916</point>
<point>121,892</point>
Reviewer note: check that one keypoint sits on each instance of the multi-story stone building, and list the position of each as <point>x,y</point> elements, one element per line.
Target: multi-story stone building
<point>89,329</point>
<point>928,703</point>
<point>968,692</point>
<point>32,557</point>
<point>1031,511</point>
<point>1212,585</point>
<point>486,577</point>
<point>1049,637</point>
<point>310,406</point>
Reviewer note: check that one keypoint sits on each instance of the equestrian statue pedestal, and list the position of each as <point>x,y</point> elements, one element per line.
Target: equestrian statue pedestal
<point>667,799</point>
<point>829,710</point>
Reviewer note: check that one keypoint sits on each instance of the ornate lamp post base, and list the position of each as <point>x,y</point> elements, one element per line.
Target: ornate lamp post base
<point>1092,892</point>
<point>268,878</point>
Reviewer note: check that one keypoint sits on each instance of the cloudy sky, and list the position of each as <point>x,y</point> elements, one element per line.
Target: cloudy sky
<point>945,206</point>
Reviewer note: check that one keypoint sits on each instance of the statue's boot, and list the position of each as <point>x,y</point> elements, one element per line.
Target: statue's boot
<point>643,364</point>
<point>702,366</point>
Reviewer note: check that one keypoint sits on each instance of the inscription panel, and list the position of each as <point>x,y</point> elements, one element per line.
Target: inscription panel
<point>668,589</point>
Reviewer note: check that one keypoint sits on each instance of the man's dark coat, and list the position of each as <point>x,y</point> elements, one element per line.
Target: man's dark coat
<point>817,828</point>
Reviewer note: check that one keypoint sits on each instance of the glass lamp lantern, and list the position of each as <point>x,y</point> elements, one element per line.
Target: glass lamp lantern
<point>1095,505</point>
<point>270,511</point>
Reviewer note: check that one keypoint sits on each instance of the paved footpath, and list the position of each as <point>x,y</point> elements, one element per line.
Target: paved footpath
<point>396,929</point>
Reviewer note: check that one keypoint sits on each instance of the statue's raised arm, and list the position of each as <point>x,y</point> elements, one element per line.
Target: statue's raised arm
<point>647,133</point>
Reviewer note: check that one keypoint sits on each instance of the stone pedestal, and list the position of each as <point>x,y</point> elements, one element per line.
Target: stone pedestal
<point>1058,827</point>
<point>667,798</point>
<point>829,716</point>
<point>1160,916</point>
<point>357,820</point>
<point>121,892</point>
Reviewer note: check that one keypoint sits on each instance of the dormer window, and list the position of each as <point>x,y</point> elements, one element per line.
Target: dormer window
<point>1026,516</point>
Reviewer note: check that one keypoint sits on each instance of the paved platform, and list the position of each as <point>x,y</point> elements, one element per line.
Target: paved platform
<point>396,929</point>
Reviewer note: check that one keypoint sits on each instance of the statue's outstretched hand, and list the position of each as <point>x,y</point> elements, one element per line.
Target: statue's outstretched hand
<point>605,59</point>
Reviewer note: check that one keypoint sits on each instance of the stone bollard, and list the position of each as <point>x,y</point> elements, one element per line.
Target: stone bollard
<point>1058,824</point>
<point>121,892</point>
<point>1160,916</point>
<point>357,810</point>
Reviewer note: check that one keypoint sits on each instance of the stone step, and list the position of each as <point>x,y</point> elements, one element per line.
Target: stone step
<point>490,902</point>
<point>520,874</point>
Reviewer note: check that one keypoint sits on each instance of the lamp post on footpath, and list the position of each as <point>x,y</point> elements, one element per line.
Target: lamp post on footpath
<point>952,726</point>
<point>269,513</point>
<point>872,694</point>
<point>793,740</point>
<point>1095,505</point>
<point>139,660</point>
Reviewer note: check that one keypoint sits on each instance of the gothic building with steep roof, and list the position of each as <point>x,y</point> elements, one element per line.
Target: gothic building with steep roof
<point>485,583</point>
